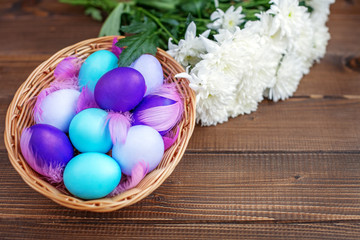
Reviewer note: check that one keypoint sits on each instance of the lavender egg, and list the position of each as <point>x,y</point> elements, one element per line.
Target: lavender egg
<point>58,109</point>
<point>143,143</point>
<point>151,69</point>
<point>120,89</point>
<point>47,150</point>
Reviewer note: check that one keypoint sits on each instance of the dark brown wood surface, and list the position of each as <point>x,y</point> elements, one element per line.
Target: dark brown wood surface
<point>291,170</point>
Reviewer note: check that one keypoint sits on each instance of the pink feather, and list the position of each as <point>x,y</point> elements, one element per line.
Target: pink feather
<point>119,125</point>
<point>37,111</point>
<point>86,100</point>
<point>127,182</point>
<point>169,139</point>
<point>26,150</point>
<point>168,90</point>
<point>115,49</point>
<point>55,173</point>
<point>163,118</point>
<point>68,68</point>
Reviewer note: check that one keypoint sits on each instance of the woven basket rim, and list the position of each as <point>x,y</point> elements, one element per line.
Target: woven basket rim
<point>20,105</point>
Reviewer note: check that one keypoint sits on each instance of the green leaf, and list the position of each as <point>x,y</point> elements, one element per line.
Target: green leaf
<point>194,7</point>
<point>145,41</point>
<point>94,13</point>
<point>136,27</point>
<point>112,24</point>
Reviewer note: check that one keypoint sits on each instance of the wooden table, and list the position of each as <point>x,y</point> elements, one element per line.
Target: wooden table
<point>289,170</point>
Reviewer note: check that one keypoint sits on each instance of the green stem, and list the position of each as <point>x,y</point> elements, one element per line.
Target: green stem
<point>158,22</point>
<point>199,12</point>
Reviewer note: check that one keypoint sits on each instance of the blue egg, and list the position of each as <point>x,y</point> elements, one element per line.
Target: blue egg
<point>143,143</point>
<point>89,131</point>
<point>92,175</point>
<point>96,65</point>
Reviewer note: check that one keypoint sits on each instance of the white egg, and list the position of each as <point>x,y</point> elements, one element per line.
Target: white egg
<point>59,108</point>
<point>143,143</point>
<point>151,70</point>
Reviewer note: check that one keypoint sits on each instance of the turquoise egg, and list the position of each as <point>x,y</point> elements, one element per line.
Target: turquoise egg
<point>96,65</point>
<point>89,131</point>
<point>91,175</point>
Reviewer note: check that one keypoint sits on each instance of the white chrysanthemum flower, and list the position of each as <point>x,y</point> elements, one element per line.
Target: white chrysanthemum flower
<point>257,63</point>
<point>289,17</point>
<point>287,78</point>
<point>320,40</point>
<point>189,50</point>
<point>296,31</point>
<point>248,56</point>
<point>228,20</point>
<point>319,16</point>
<point>214,81</point>
<point>214,90</point>
<point>265,26</point>
<point>304,43</point>
<point>272,45</point>
<point>321,9</point>
<point>268,58</point>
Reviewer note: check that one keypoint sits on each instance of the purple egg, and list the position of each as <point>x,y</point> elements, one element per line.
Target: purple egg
<point>120,89</point>
<point>47,150</point>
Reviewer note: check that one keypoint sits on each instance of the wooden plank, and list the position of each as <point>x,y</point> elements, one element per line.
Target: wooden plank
<point>298,124</point>
<point>11,9</point>
<point>346,7</point>
<point>13,72</point>
<point>54,21</point>
<point>213,188</point>
<point>344,33</point>
<point>46,229</point>
<point>53,34</point>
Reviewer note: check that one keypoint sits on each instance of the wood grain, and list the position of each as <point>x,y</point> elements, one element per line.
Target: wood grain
<point>298,124</point>
<point>291,170</point>
<point>281,187</point>
<point>111,230</point>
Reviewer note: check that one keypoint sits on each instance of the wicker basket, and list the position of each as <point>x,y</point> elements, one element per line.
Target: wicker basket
<point>19,116</point>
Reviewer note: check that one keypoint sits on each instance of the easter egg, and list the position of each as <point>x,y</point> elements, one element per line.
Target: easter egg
<point>58,109</point>
<point>89,131</point>
<point>47,150</point>
<point>143,143</point>
<point>96,65</point>
<point>120,89</point>
<point>151,70</point>
<point>91,175</point>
